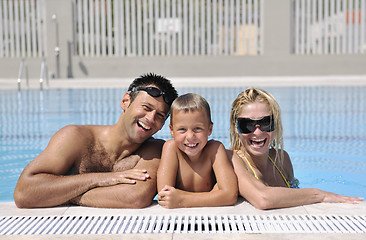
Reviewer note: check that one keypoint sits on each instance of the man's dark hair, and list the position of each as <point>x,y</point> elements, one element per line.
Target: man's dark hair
<point>153,79</point>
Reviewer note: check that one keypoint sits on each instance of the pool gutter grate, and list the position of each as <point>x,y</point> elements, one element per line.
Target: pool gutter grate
<point>34,225</point>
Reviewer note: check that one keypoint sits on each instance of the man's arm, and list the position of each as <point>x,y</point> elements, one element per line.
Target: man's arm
<point>137,195</point>
<point>43,182</point>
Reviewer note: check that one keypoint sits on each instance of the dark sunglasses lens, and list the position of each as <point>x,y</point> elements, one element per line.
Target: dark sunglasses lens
<point>266,124</point>
<point>154,92</point>
<point>245,125</point>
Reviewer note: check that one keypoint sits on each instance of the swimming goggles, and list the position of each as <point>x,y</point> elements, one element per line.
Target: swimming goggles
<point>248,125</point>
<point>155,92</point>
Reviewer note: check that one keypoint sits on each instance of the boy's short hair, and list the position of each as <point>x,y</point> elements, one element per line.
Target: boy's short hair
<point>190,102</point>
<point>153,79</point>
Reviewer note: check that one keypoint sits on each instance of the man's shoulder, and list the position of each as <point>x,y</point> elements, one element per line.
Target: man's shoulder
<point>154,142</point>
<point>72,133</point>
<point>151,145</point>
<point>74,128</point>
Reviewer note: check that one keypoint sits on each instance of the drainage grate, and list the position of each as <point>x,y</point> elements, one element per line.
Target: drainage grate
<point>181,224</point>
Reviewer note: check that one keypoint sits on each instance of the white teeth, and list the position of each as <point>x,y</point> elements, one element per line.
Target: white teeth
<point>191,144</point>
<point>144,126</point>
<point>258,142</point>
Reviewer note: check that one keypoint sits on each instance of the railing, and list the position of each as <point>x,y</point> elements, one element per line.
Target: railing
<point>83,38</point>
<point>22,66</point>
<point>329,26</point>
<point>21,28</point>
<point>168,28</point>
<point>44,74</point>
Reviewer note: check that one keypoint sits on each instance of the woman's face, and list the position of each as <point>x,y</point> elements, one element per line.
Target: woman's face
<point>257,142</point>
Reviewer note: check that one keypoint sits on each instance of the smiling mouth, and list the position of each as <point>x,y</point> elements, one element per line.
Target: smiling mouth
<point>258,142</point>
<point>143,126</point>
<point>191,145</point>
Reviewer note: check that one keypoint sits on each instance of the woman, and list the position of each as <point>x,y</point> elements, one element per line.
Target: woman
<point>264,169</point>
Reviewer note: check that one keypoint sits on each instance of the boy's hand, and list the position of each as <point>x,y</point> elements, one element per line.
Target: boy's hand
<point>170,197</point>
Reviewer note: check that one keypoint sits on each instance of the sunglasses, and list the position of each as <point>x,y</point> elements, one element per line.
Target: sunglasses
<point>155,92</point>
<point>248,125</point>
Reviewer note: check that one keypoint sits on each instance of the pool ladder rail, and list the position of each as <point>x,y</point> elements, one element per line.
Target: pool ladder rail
<point>43,74</point>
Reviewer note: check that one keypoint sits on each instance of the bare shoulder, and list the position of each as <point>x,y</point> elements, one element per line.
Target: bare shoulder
<point>286,164</point>
<point>170,143</point>
<point>152,148</point>
<point>231,155</point>
<point>75,131</point>
<point>215,151</point>
<point>214,144</point>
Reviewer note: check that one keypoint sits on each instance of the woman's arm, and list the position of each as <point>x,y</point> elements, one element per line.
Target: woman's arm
<point>265,197</point>
<point>223,194</point>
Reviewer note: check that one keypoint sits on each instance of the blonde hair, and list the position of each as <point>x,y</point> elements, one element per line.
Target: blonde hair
<point>190,102</point>
<point>249,96</point>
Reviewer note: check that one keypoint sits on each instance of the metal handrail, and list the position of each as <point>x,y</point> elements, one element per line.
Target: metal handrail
<point>44,70</point>
<point>23,64</point>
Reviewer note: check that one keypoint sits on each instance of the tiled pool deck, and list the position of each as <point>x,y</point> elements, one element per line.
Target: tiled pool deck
<point>242,208</point>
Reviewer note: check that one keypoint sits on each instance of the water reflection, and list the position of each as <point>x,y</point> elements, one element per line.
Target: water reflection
<point>324,127</point>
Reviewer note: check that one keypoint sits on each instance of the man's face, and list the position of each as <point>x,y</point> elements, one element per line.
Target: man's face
<point>144,116</point>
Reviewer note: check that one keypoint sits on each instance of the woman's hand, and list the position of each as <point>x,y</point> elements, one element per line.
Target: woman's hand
<point>330,197</point>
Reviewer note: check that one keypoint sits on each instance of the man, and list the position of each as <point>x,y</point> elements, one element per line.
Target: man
<point>110,166</point>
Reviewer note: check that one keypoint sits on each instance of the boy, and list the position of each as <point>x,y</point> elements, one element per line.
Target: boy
<point>193,171</point>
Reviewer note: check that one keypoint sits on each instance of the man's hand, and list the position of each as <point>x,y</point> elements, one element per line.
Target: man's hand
<point>125,177</point>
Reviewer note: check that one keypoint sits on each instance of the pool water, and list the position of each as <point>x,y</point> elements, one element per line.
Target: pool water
<point>324,128</point>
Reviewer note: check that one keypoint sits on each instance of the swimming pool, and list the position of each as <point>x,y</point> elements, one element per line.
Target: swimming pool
<point>324,128</point>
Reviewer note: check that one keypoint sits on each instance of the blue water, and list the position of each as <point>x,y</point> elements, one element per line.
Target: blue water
<point>324,128</point>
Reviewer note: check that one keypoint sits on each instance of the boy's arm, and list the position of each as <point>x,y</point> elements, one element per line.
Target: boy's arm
<point>223,195</point>
<point>168,167</point>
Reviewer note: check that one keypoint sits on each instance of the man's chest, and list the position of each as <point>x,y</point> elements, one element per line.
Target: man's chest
<point>98,160</point>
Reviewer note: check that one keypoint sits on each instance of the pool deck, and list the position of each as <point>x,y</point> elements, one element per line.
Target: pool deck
<point>241,208</point>
<point>358,80</point>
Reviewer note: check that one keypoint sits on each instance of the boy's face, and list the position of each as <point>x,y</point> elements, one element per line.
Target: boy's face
<point>190,131</point>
